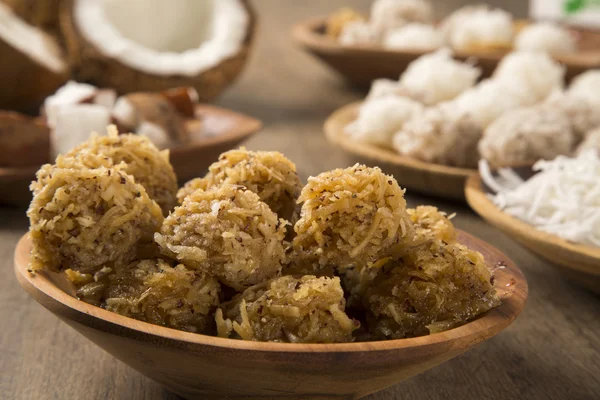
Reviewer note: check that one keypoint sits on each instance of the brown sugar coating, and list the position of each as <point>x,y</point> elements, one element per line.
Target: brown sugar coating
<point>353,216</point>
<point>88,219</point>
<point>145,162</point>
<point>157,292</point>
<point>288,309</point>
<point>269,174</point>
<point>227,232</point>
<point>433,288</point>
<point>430,223</point>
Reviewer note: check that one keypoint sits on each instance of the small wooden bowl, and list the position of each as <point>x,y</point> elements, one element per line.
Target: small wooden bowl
<point>219,130</point>
<point>432,179</point>
<point>578,262</point>
<point>361,65</point>
<point>204,367</point>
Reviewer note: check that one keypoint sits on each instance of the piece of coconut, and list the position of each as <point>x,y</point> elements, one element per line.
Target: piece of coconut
<point>74,125</point>
<point>23,140</point>
<point>67,95</point>
<point>183,99</point>
<point>32,64</point>
<point>43,14</point>
<point>154,45</point>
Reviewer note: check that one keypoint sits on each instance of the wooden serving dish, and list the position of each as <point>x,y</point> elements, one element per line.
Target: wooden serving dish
<point>220,130</point>
<point>578,262</point>
<point>204,367</point>
<point>361,65</point>
<point>432,179</point>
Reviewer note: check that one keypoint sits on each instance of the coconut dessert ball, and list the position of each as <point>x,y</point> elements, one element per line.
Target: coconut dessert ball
<point>526,135</point>
<point>379,119</point>
<point>433,288</point>
<point>414,37</point>
<point>269,174</point>
<point>387,15</point>
<point>351,216</point>
<point>535,72</point>
<point>431,223</point>
<point>173,296</point>
<point>546,36</point>
<point>227,232</point>
<point>288,309</point>
<point>479,28</point>
<point>339,19</point>
<point>440,135</point>
<point>591,141</point>
<point>587,86</point>
<point>582,113</point>
<point>437,77</point>
<point>358,33</point>
<point>89,219</point>
<point>145,162</point>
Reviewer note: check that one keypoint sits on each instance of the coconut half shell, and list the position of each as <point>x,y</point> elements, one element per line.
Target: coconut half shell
<point>43,14</point>
<point>24,140</point>
<point>89,64</point>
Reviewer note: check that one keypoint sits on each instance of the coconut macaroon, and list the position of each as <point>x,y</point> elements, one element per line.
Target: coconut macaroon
<point>414,37</point>
<point>437,77</point>
<point>89,219</point>
<point>546,36</point>
<point>391,14</point>
<point>358,33</point>
<point>433,288</point>
<point>536,72</point>
<point>526,135</point>
<point>149,166</point>
<point>431,223</point>
<point>591,141</point>
<point>288,309</point>
<point>380,118</point>
<point>583,114</point>
<point>228,232</point>
<point>269,174</point>
<point>338,20</point>
<point>351,216</point>
<point>173,296</point>
<point>474,28</point>
<point>587,86</point>
<point>441,135</point>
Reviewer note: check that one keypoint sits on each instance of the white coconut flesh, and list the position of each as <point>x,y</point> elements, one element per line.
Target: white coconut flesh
<point>162,38</point>
<point>30,41</point>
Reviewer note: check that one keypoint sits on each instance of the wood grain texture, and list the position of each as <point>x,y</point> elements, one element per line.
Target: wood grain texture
<point>581,263</point>
<point>551,352</point>
<point>419,176</point>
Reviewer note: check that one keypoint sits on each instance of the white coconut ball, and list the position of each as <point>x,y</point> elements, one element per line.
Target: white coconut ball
<point>380,118</point>
<point>592,141</point>
<point>414,37</point>
<point>357,33</point>
<point>440,135</point>
<point>385,87</point>
<point>535,72</point>
<point>582,113</point>
<point>587,86</point>
<point>546,36</point>
<point>437,77</point>
<point>391,14</point>
<point>526,135</point>
<point>479,28</point>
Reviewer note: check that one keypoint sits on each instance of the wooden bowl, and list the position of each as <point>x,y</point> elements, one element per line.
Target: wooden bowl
<point>432,179</point>
<point>204,367</point>
<point>578,262</point>
<point>220,130</point>
<point>361,65</point>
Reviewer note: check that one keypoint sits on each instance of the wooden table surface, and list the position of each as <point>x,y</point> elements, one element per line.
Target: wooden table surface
<point>551,352</point>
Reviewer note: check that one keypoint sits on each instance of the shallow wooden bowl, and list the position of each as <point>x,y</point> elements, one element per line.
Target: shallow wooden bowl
<point>361,65</point>
<point>205,367</point>
<point>578,262</point>
<point>219,130</point>
<point>432,179</point>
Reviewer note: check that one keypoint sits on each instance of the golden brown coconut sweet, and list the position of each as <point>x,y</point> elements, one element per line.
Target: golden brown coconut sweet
<point>149,166</point>
<point>288,309</point>
<point>32,67</point>
<point>337,21</point>
<point>23,140</point>
<point>351,217</point>
<point>267,173</point>
<point>187,50</point>
<point>90,219</point>
<point>227,232</point>
<point>157,292</point>
<point>431,223</point>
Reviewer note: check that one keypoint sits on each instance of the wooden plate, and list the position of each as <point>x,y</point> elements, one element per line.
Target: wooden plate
<point>432,179</point>
<point>204,367</point>
<point>580,263</point>
<point>219,131</point>
<point>362,64</point>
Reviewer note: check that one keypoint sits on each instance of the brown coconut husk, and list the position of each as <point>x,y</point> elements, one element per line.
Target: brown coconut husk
<point>89,65</point>
<point>24,141</point>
